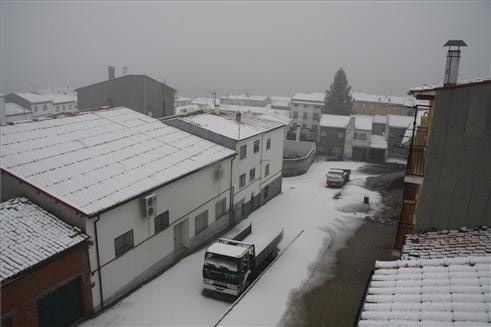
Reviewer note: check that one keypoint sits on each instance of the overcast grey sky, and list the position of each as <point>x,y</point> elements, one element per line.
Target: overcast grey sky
<point>272,48</point>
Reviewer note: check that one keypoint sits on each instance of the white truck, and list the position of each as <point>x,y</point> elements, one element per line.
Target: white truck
<point>337,177</point>
<point>231,265</point>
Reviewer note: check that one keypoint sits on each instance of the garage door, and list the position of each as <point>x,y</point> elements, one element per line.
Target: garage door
<point>62,306</point>
<point>359,154</point>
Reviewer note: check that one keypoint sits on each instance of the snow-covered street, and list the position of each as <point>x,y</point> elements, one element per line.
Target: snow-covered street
<point>174,298</point>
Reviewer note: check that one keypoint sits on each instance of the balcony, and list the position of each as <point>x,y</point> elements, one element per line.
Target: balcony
<point>417,152</point>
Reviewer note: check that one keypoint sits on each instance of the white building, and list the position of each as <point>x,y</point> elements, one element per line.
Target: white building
<point>41,105</point>
<point>306,109</point>
<point>14,113</point>
<point>358,137</point>
<point>281,103</point>
<point>257,169</point>
<point>245,100</point>
<point>125,179</point>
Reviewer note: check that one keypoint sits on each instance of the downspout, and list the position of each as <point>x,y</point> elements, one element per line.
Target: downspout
<point>231,205</point>
<point>98,262</point>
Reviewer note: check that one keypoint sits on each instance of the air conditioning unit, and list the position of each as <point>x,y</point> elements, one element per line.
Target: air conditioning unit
<point>149,205</point>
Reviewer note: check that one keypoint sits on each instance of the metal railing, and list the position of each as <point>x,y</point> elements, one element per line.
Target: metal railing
<point>417,152</point>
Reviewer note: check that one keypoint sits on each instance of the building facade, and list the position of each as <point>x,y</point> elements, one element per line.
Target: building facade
<point>38,105</point>
<point>138,92</point>
<point>245,100</point>
<point>44,273</point>
<point>447,183</point>
<point>332,136</point>
<point>257,169</point>
<point>131,193</point>
<point>306,110</point>
<point>371,104</point>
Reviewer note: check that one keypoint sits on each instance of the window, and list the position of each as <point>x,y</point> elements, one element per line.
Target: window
<point>316,116</point>
<point>63,107</point>
<point>305,106</point>
<point>295,114</point>
<point>266,170</point>
<point>340,135</point>
<point>295,104</point>
<point>220,208</point>
<point>336,150</point>
<point>252,174</point>
<point>362,136</point>
<point>45,107</point>
<point>123,243</point>
<point>268,144</point>
<point>243,151</point>
<point>256,146</point>
<point>201,222</point>
<point>161,222</point>
<point>355,136</point>
<point>70,107</point>
<point>304,115</point>
<point>242,180</point>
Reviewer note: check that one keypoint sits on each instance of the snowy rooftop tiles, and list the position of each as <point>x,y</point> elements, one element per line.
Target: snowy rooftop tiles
<point>33,97</point>
<point>227,126</point>
<point>448,243</point>
<point>30,235</point>
<point>308,97</point>
<point>97,160</point>
<point>436,292</point>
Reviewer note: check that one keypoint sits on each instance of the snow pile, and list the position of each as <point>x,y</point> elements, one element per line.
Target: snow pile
<point>30,235</point>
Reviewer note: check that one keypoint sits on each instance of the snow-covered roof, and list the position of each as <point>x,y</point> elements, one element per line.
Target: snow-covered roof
<point>227,250</point>
<point>309,97</point>
<point>378,142</point>
<point>13,109</point>
<point>380,119</point>
<point>205,101</point>
<point>387,99</point>
<point>436,292</point>
<point>400,121</point>
<point>282,116</point>
<point>96,160</point>
<point>237,108</point>
<point>30,235</point>
<point>448,243</point>
<point>33,97</point>
<point>337,121</point>
<point>433,87</point>
<point>363,122</point>
<point>245,97</point>
<point>61,98</point>
<point>227,126</point>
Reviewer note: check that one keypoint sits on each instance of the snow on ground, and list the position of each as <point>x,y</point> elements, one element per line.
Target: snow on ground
<point>174,298</point>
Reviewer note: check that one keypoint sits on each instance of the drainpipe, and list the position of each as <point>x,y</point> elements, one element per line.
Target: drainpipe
<point>98,262</point>
<point>231,205</point>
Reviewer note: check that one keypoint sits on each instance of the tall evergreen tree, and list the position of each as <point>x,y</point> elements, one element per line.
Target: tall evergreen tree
<point>338,99</point>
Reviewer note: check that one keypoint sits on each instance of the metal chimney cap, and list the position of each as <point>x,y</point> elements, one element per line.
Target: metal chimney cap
<point>455,43</point>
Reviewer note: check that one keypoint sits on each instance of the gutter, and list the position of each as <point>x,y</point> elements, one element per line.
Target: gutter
<point>99,274</point>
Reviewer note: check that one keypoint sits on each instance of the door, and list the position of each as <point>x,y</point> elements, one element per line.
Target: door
<point>178,236</point>
<point>62,306</point>
<point>239,210</point>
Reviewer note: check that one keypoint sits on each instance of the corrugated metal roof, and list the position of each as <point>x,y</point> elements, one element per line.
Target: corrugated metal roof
<point>30,235</point>
<point>227,126</point>
<point>436,292</point>
<point>96,160</point>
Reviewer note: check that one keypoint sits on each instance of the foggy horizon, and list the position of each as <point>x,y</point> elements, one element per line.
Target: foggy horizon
<point>272,48</point>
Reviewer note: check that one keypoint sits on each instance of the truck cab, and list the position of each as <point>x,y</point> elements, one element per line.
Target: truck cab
<point>228,266</point>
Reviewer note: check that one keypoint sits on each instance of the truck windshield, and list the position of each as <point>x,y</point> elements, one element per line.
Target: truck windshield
<point>335,172</point>
<point>213,260</point>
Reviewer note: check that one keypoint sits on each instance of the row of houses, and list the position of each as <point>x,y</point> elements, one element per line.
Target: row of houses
<point>130,195</point>
<point>27,106</point>
<point>363,137</point>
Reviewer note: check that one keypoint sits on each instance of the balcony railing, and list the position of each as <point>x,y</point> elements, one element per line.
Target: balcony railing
<point>417,152</point>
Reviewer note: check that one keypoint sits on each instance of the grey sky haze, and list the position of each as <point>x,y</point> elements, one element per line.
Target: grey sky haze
<point>272,48</point>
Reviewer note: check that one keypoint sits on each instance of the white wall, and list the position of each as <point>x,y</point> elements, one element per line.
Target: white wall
<point>3,113</point>
<point>184,198</point>
<point>37,109</point>
<point>259,160</point>
<point>309,109</point>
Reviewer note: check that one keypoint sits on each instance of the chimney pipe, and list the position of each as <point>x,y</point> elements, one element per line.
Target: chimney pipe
<point>110,72</point>
<point>453,60</point>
